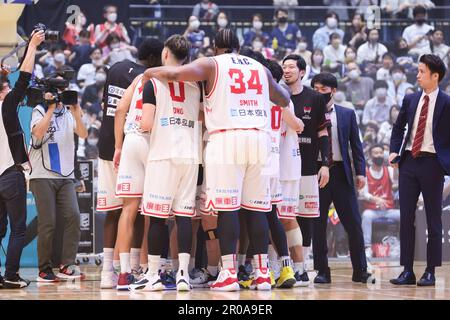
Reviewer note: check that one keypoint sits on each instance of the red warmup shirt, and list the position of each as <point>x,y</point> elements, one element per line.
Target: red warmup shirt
<point>381,188</point>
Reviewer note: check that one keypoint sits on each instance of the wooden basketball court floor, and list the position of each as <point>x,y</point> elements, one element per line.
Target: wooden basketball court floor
<point>341,288</point>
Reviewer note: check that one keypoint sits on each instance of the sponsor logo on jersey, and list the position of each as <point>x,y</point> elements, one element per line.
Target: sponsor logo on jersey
<point>101,202</point>
<point>125,187</point>
<point>117,91</point>
<point>176,121</point>
<point>112,101</point>
<point>304,140</point>
<point>307,109</point>
<point>311,205</point>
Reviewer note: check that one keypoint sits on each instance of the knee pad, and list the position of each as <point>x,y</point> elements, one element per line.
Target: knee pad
<point>294,237</point>
<point>211,234</point>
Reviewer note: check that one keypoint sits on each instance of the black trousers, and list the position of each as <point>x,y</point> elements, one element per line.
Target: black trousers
<point>343,196</point>
<point>421,175</point>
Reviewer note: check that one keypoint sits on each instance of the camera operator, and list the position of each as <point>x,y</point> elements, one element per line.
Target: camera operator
<point>51,180</point>
<point>13,155</point>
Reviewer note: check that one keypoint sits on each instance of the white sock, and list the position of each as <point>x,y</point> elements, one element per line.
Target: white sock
<point>299,266</point>
<point>261,260</point>
<point>229,261</point>
<point>153,264</point>
<point>213,270</point>
<point>116,265</point>
<point>183,259</point>
<point>191,263</point>
<point>135,258</point>
<point>306,252</point>
<point>241,259</point>
<point>273,256</point>
<point>125,262</point>
<point>285,261</point>
<point>108,255</point>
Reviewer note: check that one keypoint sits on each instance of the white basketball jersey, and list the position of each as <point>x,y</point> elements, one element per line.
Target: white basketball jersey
<point>239,98</point>
<point>275,134</point>
<point>134,116</point>
<point>176,131</point>
<point>290,160</point>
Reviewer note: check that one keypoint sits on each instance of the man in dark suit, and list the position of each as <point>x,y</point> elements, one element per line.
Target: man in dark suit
<point>340,190</point>
<point>423,157</point>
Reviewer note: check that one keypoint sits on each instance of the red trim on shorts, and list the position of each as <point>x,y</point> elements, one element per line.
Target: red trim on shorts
<point>276,201</point>
<point>215,79</point>
<point>211,204</point>
<point>128,195</point>
<point>149,213</point>
<point>308,214</point>
<point>106,209</point>
<point>256,208</point>
<point>184,213</point>
<point>224,130</point>
<point>281,216</point>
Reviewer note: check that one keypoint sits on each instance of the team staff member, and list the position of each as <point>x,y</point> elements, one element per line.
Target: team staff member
<point>13,155</point>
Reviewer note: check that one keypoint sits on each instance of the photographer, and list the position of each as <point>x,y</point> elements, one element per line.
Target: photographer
<point>51,180</point>
<point>12,156</point>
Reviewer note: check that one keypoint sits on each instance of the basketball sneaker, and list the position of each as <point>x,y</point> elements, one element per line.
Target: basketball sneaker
<point>183,281</point>
<point>226,281</point>
<point>245,276</point>
<point>1,281</point>
<point>138,274</point>
<point>272,278</point>
<point>108,280</point>
<point>302,280</point>
<point>262,280</point>
<point>125,279</point>
<point>201,279</point>
<point>15,282</point>
<point>150,282</point>
<point>70,272</point>
<point>168,280</point>
<point>287,278</point>
<point>47,276</point>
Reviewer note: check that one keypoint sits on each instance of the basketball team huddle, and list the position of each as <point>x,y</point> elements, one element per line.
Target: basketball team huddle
<point>216,144</point>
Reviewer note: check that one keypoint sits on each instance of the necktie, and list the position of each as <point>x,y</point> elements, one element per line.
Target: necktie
<point>420,132</point>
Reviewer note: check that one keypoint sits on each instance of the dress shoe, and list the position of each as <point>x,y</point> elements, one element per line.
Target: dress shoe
<point>427,280</point>
<point>405,278</point>
<point>323,277</point>
<point>363,277</point>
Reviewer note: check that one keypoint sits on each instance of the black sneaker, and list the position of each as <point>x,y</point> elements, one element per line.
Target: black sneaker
<point>244,276</point>
<point>1,282</point>
<point>302,279</point>
<point>47,276</point>
<point>15,282</point>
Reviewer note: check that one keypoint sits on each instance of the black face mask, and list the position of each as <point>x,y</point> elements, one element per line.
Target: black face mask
<point>327,97</point>
<point>420,21</point>
<point>282,20</point>
<point>378,161</point>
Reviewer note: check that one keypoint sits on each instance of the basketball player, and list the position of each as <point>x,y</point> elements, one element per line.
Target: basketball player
<point>237,118</point>
<point>171,111</point>
<point>120,76</point>
<point>309,106</point>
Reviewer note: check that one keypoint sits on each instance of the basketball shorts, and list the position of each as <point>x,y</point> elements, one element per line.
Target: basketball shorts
<point>287,208</point>
<point>106,195</point>
<point>308,205</point>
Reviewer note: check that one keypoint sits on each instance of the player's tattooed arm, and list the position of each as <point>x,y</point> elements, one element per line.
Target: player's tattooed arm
<point>278,95</point>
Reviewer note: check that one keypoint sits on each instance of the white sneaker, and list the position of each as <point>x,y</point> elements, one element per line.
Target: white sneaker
<point>138,274</point>
<point>200,279</point>
<point>183,281</point>
<point>151,282</point>
<point>261,280</point>
<point>108,280</point>
<point>369,253</point>
<point>226,281</point>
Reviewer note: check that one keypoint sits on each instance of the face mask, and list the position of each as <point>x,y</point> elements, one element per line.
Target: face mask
<point>112,17</point>
<point>327,97</point>
<point>339,96</point>
<point>282,20</point>
<point>420,21</point>
<point>257,25</point>
<point>100,77</point>
<point>354,74</point>
<point>60,57</point>
<point>336,43</point>
<point>92,141</point>
<point>381,93</point>
<point>351,55</point>
<point>195,24</point>
<point>222,22</point>
<point>97,62</point>
<point>317,60</point>
<point>378,161</point>
<point>332,23</point>
<point>302,46</point>
<point>398,76</point>
<point>257,46</point>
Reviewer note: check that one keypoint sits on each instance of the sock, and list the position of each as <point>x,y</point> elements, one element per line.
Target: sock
<point>306,252</point>
<point>184,258</point>
<point>299,266</point>
<point>108,254</point>
<point>144,266</point>
<point>191,263</point>
<point>228,261</point>
<point>135,258</point>
<point>125,262</point>
<point>175,264</point>
<point>261,260</point>
<point>285,261</point>
<point>153,264</point>
<point>430,270</point>
<point>213,270</point>
<point>162,264</point>
<point>273,255</point>
<point>241,259</point>
<point>254,264</point>
<point>305,266</point>
<point>116,265</point>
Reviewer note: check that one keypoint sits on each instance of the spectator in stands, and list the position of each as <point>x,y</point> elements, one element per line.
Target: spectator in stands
<point>195,35</point>
<point>90,144</point>
<point>357,35</point>
<point>86,74</point>
<point>206,10</point>
<point>321,37</point>
<point>377,108</point>
<point>378,194</point>
<point>116,50</point>
<point>359,89</point>
<point>256,31</point>
<point>221,22</point>
<point>47,59</point>
<point>402,9</point>
<point>384,73</point>
<point>316,63</point>
<point>370,136</point>
<point>258,46</point>
<point>334,52</point>
<point>372,50</point>
<point>438,47</point>
<point>72,32</point>
<point>59,60</point>
<point>343,13</point>
<point>302,50</point>
<point>416,35</point>
<point>102,31</point>
<point>285,34</point>
<point>92,96</point>
<point>403,58</point>
<point>384,134</point>
<point>349,55</point>
<point>398,85</point>
<point>81,51</point>
<point>340,98</point>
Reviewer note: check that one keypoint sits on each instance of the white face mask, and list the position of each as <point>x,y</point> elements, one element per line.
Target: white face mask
<point>222,22</point>
<point>97,62</point>
<point>339,96</point>
<point>257,46</point>
<point>317,60</point>
<point>302,46</point>
<point>397,76</point>
<point>112,17</point>
<point>60,57</point>
<point>332,22</point>
<point>257,25</point>
<point>354,74</point>
<point>381,93</point>
<point>195,24</point>
<point>351,55</point>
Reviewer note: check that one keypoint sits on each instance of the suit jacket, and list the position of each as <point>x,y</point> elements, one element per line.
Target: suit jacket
<point>441,127</point>
<point>348,135</point>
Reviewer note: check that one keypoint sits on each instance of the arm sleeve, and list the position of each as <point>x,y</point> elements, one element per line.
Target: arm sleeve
<point>148,96</point>
<point>16,95</point>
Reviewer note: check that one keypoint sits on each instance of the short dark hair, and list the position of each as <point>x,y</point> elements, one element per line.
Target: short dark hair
<point>93,49</point>
<point>84,34</point>
<point>376,145</point>
<point>301,64</point>
<point>326,79</point>
<point>179,46</point>
<point>258,56</point>
<point>149,48</point>
<point>331,14</point>
<point>419,10</point>
<point>335,35</point>
<point>380,84</point>
<point>435,64</point>
<point>257,15</point>
<point>105,8</point>
<point>281,10</point>
<point>387,54</point>
<point>397,67</point>
<point>226,39</point>
<point>275,68</point>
